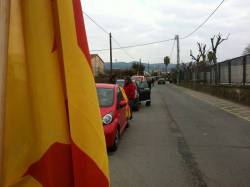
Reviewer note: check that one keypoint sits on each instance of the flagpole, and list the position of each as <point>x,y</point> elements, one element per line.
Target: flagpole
<point>4,25</point>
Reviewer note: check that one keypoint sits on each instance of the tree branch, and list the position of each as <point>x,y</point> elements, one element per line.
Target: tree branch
<point>196,59</point>
<point>212,42</point>
<point>224,38</point>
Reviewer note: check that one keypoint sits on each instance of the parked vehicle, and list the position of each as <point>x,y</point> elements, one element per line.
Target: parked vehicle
<point>120,82</point>
<point>144,92</point>
<point>114,111</point>
<point>161,81</point>
<point>137,103</point>
<point>138,78</point>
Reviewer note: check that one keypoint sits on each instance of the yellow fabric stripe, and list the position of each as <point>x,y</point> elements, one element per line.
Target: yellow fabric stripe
<point>35,104</point>
<point>27,181</point>
<point>85,120</point>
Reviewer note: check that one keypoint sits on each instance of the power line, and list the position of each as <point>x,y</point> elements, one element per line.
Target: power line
<point>154,42</point>
<point>171,53</point>
<point>98,25</point>
<point>119,46</point>
<point>123,49</point>
<point>104,30</point>
<point>136,45</point>
<point>204,22</point>
<point>161,41</point>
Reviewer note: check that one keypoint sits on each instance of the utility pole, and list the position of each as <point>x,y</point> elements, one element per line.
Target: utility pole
<point>148,67</point>
<point>110,54</point>
<point>178,58</point>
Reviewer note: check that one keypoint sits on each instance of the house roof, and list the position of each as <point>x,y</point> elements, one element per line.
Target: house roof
<point>96,55</point>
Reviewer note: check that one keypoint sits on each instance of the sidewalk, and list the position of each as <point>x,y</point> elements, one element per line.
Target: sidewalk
<point>236,109</point>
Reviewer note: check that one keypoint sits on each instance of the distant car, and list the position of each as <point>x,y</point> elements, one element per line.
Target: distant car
<point>115,112</point>
<point>144,92</point>
<point>161,81</point>
<point>120,82</point>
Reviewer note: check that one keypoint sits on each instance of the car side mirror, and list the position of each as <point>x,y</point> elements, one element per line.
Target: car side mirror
<point>123,103</point>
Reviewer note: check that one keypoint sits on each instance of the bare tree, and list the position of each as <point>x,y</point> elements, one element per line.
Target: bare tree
<point>184,66</point>
<point>216,41</point>
<point>137,67</point>
<point>197,62</point>
<point>247,50</point>
<point>202,51</point>
<point>215,45</point>
<point>197,58</point>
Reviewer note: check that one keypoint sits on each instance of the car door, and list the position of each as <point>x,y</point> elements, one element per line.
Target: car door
<point>121,110</point>
<point>144,91</point>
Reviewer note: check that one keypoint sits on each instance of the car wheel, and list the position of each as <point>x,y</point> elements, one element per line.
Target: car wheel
<point>148,103</point>
<point>116,141</point>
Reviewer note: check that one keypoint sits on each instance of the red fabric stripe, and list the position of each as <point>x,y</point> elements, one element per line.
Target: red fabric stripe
<point>86,172</point>
<point>80,29</point>
<point>54,169</point>
<point>57,168</point>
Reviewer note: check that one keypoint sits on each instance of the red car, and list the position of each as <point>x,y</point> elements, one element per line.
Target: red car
<point>113,108</point>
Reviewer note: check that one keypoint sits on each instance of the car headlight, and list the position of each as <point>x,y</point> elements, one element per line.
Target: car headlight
<point>107,119</point>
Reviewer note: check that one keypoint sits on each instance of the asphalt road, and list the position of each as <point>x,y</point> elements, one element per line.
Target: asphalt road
<point>182,141</point>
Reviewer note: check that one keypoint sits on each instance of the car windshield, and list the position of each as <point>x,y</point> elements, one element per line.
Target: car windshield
<point>137,82</point>
<point>139,78</point>
<point>105,96</point>
<point>143,84</point>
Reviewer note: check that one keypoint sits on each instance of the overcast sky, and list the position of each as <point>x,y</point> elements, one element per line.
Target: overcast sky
<point>140,21</point>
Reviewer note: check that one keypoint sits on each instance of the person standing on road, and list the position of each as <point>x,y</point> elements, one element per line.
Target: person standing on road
<point>130,90</point>
<point>149,81</point>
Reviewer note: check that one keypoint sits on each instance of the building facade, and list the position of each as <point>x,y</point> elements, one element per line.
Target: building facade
<point>97,65</point>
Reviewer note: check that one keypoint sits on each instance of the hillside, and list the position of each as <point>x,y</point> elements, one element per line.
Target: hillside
<point>128,65</point>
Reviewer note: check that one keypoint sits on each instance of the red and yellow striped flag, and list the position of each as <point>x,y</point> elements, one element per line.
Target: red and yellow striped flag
<point>53,135</point>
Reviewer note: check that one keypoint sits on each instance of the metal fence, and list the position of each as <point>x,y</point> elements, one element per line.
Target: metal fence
<point>230,72</point>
